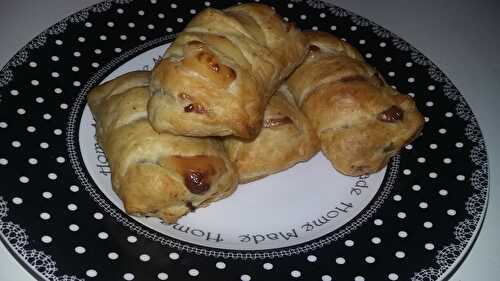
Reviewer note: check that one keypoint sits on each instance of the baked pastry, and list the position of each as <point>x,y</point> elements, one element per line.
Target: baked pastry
<point>285,139</point>
<point>360,120</point>
<point>155,174</point>
<point>218,75</point>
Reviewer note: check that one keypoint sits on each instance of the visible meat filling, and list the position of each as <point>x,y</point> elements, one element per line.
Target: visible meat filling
<point>194,107</point>
<point>314,48</point>
<point>391,115</point>
<point>214,66</point>
<point>275,122</point>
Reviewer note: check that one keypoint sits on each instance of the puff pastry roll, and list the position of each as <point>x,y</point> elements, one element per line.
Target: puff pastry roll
<point>285,139</point>
<point>154,174</point>
<point>360,120</point>
<point>218,75</point>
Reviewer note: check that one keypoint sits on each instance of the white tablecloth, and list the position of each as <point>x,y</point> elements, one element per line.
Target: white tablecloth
<point>460,36</point>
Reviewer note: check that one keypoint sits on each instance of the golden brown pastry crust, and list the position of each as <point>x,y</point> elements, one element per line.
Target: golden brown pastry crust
<point>285,139</point>
<point>360,120</point>
<point>219,73</point>
<point>155,174</point>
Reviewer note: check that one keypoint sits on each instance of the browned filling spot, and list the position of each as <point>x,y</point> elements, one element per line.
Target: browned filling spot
<point>197,171</point>
<point>314,48</point>
<point>194,107</point>
<point>392,114</point>
<point>275,122</point>
<point>197,182</point>
<point>206,57</point>
<point>214,66</point>
<point>353,78</point>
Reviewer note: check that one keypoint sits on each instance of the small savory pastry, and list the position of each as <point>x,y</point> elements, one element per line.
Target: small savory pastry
<point>155,174</point>
<point>360,120</point>
<point>218,75</point>
<point>285,139</point>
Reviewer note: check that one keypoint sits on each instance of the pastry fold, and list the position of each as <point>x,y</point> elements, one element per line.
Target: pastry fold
<point>286,139</point>
<point>155,174</point>
<point>218,75</point>
<point>360,120</point>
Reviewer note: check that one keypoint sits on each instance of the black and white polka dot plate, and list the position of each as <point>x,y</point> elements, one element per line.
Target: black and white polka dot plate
<point>415,220</point>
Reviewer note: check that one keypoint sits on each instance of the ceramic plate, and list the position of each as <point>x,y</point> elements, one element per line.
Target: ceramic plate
<point>416,219</point>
